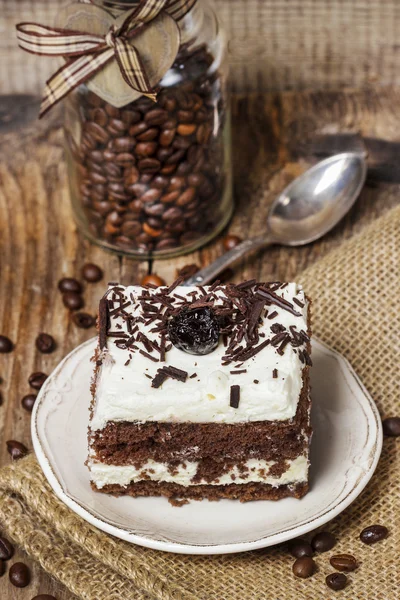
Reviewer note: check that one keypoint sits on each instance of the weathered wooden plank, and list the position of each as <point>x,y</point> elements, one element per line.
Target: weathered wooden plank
<point>39,243</point>
<point>273,44</point>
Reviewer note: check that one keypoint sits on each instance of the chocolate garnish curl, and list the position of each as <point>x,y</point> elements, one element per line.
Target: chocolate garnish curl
<point>235,396</point>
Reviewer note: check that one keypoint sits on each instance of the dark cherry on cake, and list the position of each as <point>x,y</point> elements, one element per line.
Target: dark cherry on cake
<point>195,331</point>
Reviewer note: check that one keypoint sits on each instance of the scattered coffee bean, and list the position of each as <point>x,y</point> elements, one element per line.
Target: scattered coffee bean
<point>304,567</point>
<point>68,284</point>
<point>72,300</point>
<point>152,280</point>
<point>299,548</point>
<point>230,242</point>
<point>6,345</point>
<point>391,427</point>
<point>343,562</point>
<point>6,549</point>
<point>44,597</point>
<point>45,343</point>
<point>336,581</point>
<point>19,575</point>
<point>28,402</point>
<point>373,534</point>
<point>36,380</point>
<point>92,273</point>
<point>187,271</point>
<point>84,320</point>
<point>323,541</point>
<point>2,567</point>
<point>16,450</point>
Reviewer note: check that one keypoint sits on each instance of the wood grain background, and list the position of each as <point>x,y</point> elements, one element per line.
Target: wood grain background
<point>274,44</point>
<point>39,243</point>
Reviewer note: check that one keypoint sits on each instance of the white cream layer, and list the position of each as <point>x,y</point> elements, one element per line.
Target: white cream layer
<point>124,393</point>
<point>102,474</point>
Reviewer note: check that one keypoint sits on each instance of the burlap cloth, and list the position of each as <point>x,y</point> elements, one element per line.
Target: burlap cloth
<point>356,311</point>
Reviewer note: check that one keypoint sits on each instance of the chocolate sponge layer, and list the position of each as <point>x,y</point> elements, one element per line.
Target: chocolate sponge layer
<point>244,492</point>
<point>122,443</point>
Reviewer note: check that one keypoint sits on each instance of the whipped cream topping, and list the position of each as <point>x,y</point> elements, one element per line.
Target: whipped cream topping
<point>270,383</point>
<point>256,471</point>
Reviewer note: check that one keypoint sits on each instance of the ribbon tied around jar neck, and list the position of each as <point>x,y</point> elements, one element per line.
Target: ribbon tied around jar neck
<point>87,53</point>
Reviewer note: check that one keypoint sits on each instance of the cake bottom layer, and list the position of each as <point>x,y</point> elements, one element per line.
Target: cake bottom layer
<point>202,474</point>
<point>245,492</point>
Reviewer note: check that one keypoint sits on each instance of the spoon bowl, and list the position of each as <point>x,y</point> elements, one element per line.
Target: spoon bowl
<point>305,211</point>
<point>316,201</point>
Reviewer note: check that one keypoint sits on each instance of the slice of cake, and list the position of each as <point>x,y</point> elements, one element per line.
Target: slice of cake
<point>202,392</point>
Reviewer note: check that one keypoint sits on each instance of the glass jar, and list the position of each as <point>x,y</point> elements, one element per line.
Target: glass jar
<point>153,180</point>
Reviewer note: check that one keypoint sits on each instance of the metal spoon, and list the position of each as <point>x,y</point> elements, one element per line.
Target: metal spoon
<point>305,211</point>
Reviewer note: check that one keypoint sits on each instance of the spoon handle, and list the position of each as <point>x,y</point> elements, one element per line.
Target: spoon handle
<point>210,272</point>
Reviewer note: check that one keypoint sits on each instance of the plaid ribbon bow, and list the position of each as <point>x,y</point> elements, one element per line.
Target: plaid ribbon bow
<point>87,53</point>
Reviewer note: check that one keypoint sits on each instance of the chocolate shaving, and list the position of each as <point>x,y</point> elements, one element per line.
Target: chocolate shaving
<point>298,302</point>
<point>178,297</point>
<point>256,381</point>
<point>149,307</point>
<point>270,295</point>
<point>193,376</point>
<point>255,315</point>
<point>275,373</point>
<point>246,284</point>
<point>162,349</point>
<point>272,315</point>
<point>235,396</point>
<point>121,344</point>
<point>145,341</point>
<point>103,323</point>
<point>165,372</point>
<point>147,355</point>
<point>202,289</point>
<point>176,283</point>
<point>175,373</point>
<point>238,372</point>
<point>130,341</point>
<point>249,353</point>
<point>117,334</point>
<point>117,310</point>
<point>151,286</point>
<point>277,339</point>
<point>159,379</point>
<point>304,336</point>
<point>277,328</point>
<point>283,345</point>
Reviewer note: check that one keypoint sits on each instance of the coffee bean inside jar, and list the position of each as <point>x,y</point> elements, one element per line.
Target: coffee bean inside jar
<point>152,179</point>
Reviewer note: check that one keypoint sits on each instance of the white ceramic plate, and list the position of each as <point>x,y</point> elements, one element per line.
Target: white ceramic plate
<point>345,450</point>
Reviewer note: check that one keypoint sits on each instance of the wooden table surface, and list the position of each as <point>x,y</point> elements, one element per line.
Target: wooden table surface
<point>39,242</point>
